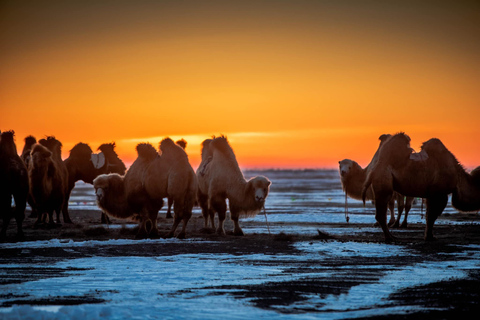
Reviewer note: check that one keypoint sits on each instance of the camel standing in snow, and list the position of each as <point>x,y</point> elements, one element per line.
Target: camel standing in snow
<point>220,178</point>
<point>80,166</point>
<point>13,183</point>
<point>151,178</point>
<point>433,174</point>
<point>353,176</point>
<point>61,173</point>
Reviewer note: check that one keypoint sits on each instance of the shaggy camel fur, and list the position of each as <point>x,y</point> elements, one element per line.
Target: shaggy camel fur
<point>80,167</point>
<point>27,148</point>
<point>150,179</point>
<point>13,183</point>
<point>55,147</point>
<point>47,184</point>
<point>353,176</point>
<point>432,174</point>
<point>220,178</point>
<point>183,144</point>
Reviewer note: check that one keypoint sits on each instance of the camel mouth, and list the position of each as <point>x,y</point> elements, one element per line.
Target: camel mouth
<point>260,199</point>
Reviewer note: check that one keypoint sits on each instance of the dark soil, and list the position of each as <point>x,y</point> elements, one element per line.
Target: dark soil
<point>447,299</point>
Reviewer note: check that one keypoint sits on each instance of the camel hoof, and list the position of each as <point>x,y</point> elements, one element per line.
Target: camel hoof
<point>169,235</point>
<point>168,216</point>
<point>181,235</point>
<point>207,230</point>
<point>403,225</point>
<point>140,236</point>
<point>154,235</point>
<point>238,233</point>
<point>220,232</point>
<point>430,239</point>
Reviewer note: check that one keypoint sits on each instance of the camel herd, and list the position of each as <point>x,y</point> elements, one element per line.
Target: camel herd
<point>42,179</point>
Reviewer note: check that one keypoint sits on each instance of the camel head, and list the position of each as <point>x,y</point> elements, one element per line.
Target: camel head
<point>40,156</point>
<point>107,148</point>
<point>29,142</point>
<point>345,166</point>
<point>7,140</point>
<point>259,188</point>
<point>103,182</point>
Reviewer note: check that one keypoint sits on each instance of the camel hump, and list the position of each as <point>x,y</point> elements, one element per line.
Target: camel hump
<point>167,144</point>
<point>7,142</point>
<point>221,144</point>
<point>182,143</point>
<point>41,150</point>
<point>107,147</point>
<point>30,140</point>
<point>146,151</point>
<point>434,146</point>
<point>81,150</point>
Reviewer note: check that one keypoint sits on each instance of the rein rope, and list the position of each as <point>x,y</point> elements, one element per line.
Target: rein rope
<point>266,220</point>
<point>347,218</point>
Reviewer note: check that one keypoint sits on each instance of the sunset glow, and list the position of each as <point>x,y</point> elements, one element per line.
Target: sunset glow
<point>292,84</point>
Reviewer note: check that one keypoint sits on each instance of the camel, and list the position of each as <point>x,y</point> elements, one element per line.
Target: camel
<point>150,179</point>
<point>13,183</point>
<point>80,166</point>
<point>183,144</point>
<point>27,148</point>
<point>433,174</point>
<point>220,178</point>
<point>29,142</point>
<point>47,184</point>
<point>353,176</point>
<point>55,147</point>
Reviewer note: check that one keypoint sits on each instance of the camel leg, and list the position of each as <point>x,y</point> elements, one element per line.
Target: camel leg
<point>66,215</point>
<point>391,208</point>
<point>234,214</point>
<point>51,223</point>
<point>219,205</point>
<point>381,204</point>
<point>408,206</point>
<point>203,202</point>
<point>400,207</point>
<point>435,206</point>
<point>6,214</point>
<point>152,216</point>
<point>104,219</point>
<point>169,208</point>
<point>20,204</point>
<point>186,216</point>
<point>142,228</point>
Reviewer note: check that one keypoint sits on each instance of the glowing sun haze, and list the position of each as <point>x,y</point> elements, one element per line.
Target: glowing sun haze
<point>292,84</point>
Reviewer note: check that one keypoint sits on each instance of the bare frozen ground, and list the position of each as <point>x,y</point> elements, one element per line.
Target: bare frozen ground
<point>312,265</point>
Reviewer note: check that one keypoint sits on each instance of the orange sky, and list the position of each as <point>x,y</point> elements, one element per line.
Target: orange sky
<point>296,84</point>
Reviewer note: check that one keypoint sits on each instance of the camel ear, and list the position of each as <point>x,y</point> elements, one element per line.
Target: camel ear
<point>269,183</point>
<point>249,188</point>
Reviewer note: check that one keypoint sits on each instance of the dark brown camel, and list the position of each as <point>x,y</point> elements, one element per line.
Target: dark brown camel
<point>182,143</point>
<point>61,177</point>
<point>27,148</point>
<point>81,167</point>
<point>13,183</point>
<point>433,174</point>
<point>353,176</point>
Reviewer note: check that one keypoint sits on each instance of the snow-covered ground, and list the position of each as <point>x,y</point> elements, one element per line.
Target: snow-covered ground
<point>197,286</point>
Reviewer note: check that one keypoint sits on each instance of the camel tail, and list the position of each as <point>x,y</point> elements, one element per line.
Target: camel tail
<point>366,185</point>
